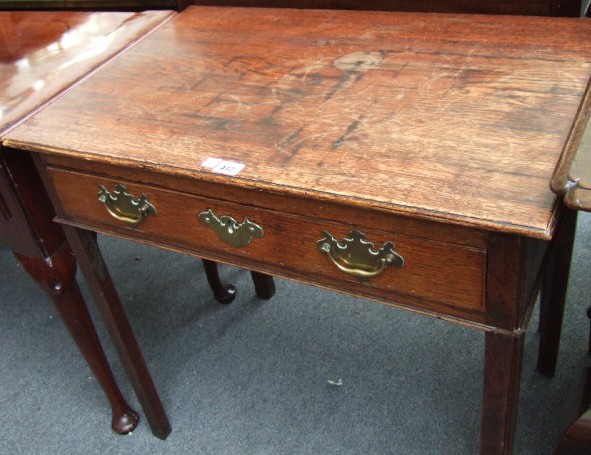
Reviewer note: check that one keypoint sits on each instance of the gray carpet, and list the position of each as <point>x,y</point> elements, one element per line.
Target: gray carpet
<point>253,377</point>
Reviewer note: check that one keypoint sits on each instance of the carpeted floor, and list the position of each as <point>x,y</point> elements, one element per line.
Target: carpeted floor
<point>258,377</point>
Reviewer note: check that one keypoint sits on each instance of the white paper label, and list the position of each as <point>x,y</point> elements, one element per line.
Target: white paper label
<point>211,162</point>
<point>222,166</point>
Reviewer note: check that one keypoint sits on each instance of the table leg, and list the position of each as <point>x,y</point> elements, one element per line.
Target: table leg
<point>553,295</point>
<point>56,276</point>
<point>223,293</point>
<point>91,262</point>
<point>502,376</point>
<point>264,285</point>
<point>39,244</point>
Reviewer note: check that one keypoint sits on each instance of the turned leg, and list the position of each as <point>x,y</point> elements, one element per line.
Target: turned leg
<point>223,293</point>
<point>56,276</point>
<point>91,262</point>
<point>553,295</point>
<point>502,376</point>
<point>264,285</point>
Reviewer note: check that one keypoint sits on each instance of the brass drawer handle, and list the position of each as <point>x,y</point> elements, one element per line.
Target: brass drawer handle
<point>357,257</point>
<point>124,207</point>
<point>229,231</point>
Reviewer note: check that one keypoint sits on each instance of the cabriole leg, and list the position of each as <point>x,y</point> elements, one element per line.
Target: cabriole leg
<point>223,293</point>
<point>56,276</point>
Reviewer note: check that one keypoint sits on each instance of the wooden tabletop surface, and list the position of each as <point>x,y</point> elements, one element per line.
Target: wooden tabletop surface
<point>42,53</point>
<point>459,118</point>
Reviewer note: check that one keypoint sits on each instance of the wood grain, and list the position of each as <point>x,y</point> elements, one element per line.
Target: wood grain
<point>446,275</point>
<point>230,191</point>
<point>456,118</point>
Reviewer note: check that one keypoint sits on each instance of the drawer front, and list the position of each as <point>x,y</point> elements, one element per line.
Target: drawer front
<point>446,276</point>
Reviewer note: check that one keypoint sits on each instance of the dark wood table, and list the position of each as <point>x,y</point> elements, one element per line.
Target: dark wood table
<point>41,56</point>
<point>401,157</point>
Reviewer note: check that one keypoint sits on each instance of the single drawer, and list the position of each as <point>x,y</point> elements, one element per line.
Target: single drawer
<point>435,276</point>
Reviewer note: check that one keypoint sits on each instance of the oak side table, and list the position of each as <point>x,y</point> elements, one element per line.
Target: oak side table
<point>402,157</point>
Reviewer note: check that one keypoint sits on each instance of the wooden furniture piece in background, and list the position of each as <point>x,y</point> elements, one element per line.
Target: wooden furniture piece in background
<point>87,5</point>
<point>41,55</point>
<point>432,132</point>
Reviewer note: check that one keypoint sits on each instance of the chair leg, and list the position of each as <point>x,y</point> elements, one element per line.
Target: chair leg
<point>223,293</point>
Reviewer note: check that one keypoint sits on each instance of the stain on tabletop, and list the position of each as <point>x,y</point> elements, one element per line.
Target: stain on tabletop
<point>359,61</point>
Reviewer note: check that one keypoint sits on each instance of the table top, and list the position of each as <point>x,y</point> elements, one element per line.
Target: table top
<point>456,118</point>
<point>42,53</point>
